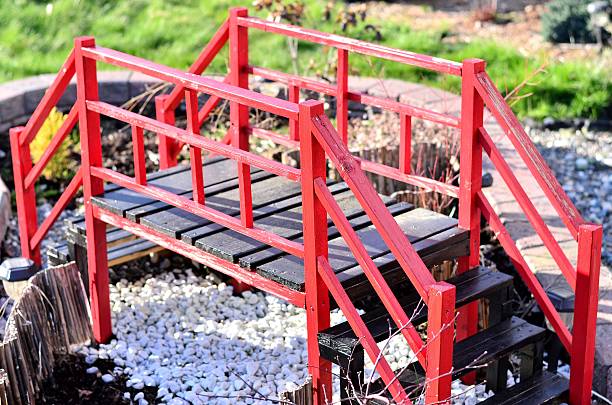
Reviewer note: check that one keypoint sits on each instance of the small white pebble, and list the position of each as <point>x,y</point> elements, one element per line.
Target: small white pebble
<point>92,370</point>
<point>107,378</point>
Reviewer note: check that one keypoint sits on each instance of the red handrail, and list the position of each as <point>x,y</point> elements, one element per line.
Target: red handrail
<point>528,152</point>
<point>216,43</point>
<point>369,269</point>
<point>358,182</point>
<point>26,174</point>
<point>374,101</point>
<point>369,344</point>
<point>49,100</point>
<point>182,135</point>
<point>64,130</point>
<point>198,83</point>
<point>319,138</point>
<point>525,271</point>
<point>584,280</point>
<point>528,208</point>
<point>354,45</point>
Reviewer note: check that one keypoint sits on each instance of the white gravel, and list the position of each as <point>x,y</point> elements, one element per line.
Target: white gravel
<point>199,344</point>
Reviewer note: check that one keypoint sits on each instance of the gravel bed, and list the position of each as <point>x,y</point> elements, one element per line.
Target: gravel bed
<point>194,341</point>
<point>582,162</point>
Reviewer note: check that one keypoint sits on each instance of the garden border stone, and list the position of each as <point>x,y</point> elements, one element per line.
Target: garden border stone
<point>19,98</point>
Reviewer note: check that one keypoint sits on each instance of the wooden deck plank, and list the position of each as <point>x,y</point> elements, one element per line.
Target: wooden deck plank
<point>135,214</point>
<point>231,245</point>
<point>175,221</point>
<point>259,213</point>
<point>417,224</point>
<point>178,182</point>
<point>253,260</point>
<point>77,223</point>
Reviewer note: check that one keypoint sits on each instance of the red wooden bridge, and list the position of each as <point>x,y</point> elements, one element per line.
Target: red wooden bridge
<point>266,224</point>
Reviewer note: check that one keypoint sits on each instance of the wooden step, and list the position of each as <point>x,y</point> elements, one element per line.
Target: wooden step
<point>339,342</point>
<point>544,388</point>
<point>477,351</point>
<point>418,225</point>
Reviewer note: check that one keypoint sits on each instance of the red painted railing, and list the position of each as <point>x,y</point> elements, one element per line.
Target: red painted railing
<point>26,174</point>
<point>317,140</point>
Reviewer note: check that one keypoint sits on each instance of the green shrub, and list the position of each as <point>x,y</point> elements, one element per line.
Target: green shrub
<point>60,167</point>
<point>567,21</point>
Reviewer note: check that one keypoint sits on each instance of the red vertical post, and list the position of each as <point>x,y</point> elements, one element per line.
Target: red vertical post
<point>195,154</point>
<point>294,97</point>
<point>585,313</point>
<point>470,174</point>
<point>239,114</point>
<point>140,168</point>
<point>91,156</point>
<point>25,197</point>
<point>440,336</point>
<point>342,95</point>
<point>168,152</point>
<point>312,158</point>
<point>405,143</point>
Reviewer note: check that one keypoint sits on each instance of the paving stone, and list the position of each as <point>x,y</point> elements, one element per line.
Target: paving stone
<point>394,89</point>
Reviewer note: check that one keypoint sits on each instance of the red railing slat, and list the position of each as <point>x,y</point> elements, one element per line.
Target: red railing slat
<point>362,332</point>
<point>49,100</point>
<point>140,169</point>
<point>376,279</point>
<point>528,152</point>
<point>525,271</point>
<point>231,269</point>
<point>218,148</point>
<point>420,181</point>
<point>195,153</point>
<point>53,146</point>
<point>195,82</point>
<point>60,205</point>
<point>528,208</point>
<point>210,105</point>
<point>211,214</point>
<point>274,137</point>
<point>354,45</point>
<point>374,101</point>
<point>207,55</point>
<point>349,170</point>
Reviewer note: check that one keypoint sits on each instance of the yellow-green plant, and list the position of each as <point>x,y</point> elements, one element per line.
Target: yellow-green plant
<point>60,167</point>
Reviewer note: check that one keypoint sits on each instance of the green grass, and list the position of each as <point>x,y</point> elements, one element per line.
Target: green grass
<point>172,32</point>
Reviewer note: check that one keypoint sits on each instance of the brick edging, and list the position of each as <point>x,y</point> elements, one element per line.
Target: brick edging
<point>19,98</point>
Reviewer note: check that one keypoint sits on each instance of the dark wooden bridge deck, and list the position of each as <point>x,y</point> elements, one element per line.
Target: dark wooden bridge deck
<point>277,208</point>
